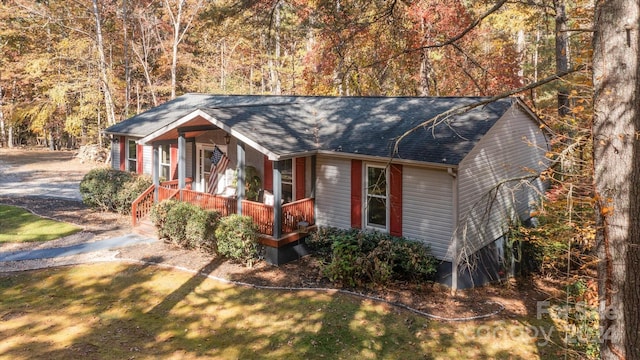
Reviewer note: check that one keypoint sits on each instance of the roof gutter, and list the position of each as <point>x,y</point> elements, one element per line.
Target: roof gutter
<point>415,163</point>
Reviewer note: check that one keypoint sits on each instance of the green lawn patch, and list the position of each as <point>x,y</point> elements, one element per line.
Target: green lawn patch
<point>19,225</point>
<point>120,311</point>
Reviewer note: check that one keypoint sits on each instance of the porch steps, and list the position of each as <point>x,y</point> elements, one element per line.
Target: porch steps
<point>145,227</point>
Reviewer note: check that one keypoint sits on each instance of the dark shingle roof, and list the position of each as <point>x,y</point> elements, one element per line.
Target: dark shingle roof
<point>359,125</point>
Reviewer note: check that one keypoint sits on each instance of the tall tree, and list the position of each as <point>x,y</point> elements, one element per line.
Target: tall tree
<point>102,63</point>
<point>181,15</point>
<point>616,131</point>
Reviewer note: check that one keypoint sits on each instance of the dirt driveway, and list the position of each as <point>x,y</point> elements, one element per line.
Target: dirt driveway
<point>47,183</point>
<point>41,173</point>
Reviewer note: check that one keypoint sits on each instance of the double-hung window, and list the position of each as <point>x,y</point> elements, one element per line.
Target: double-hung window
<point>376,208</point>
<point>286,171</point>
<point>132,155</point>
<point>165,162</point>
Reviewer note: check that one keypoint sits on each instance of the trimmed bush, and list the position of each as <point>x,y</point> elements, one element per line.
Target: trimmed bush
<point>237,239</point>
<point>186,225</point>
<point>130,191</point>
<point>200,230</point>
<point>364,258</point>
<point>112,190</point>
<point>159,213</point>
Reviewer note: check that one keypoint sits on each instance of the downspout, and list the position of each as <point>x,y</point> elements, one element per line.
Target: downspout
<point>454,259</point>
<point>240,157</point>
<point>182,159</point>
<point>155,170</point>
<point>277,199</point>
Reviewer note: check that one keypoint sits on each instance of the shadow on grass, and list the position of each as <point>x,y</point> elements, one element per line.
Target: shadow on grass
<point>126,310</point>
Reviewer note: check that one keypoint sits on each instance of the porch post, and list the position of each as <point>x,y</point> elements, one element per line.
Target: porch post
<point>313,177</point>
<point>182,159</point>
<point>312,194</point>
<point>240,170</point>
<point>277,199</point>
<point>155,170</point>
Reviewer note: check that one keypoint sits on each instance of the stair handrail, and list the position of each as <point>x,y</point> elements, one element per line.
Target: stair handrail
<point>141,206</point>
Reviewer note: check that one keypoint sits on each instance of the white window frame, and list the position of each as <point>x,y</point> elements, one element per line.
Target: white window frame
<point>201,178</point>
<point>162,164</point>
<point>293,179</point>
<point>129,158</point>
<point>366,196</point>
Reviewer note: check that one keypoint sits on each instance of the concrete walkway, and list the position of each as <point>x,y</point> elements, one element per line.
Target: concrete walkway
<point>108,244</point>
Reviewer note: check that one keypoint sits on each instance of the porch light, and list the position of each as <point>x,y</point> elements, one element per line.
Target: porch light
<point>227,138</point>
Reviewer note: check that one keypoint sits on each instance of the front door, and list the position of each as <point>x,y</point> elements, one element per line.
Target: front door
<point>204,153</point>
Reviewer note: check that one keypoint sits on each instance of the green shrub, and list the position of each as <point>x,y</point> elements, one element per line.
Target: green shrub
<point>237,238</point>
<point>185,224</point>
<point>112,190</point>
<point>413,260</point>
<point>320,241</point>
<point>364,258</point>
<point>159,213</point>
<point>99,188</point>
<point>176,223</point>
<point>200,230</point>
<point>129,191</point>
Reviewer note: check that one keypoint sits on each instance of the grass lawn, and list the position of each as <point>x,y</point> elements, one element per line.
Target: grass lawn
<point>19,225</point>
<point>120,311</point>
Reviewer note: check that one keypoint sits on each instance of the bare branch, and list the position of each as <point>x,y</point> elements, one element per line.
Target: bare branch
<point>442,117</point>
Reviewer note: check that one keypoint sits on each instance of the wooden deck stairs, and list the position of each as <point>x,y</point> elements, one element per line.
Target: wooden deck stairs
<point>145,227</point>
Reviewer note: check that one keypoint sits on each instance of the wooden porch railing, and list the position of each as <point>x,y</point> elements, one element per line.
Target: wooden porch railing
<point>225,205</point>
<point>295,212</point>
<point>173,184</point>
<point>261,214</point>
<point>292,214</point>
<point>141,206</point>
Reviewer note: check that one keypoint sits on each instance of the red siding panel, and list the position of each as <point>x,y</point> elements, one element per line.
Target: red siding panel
<point>395,190</point>
<point>356,194</point>
<point>173,154</point>
<point>300,177</point>
<point>139,160</point>
<point>123,153</point>
<point>268,174</point>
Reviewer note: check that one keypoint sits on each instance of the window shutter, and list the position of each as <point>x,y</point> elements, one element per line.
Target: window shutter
<point>139,159</point>
<point>173,154</point>
<point>123,153</point>
<point>395,199</point>
<point>356,194</point>
<point>300,177</point>
<point>268,174</point>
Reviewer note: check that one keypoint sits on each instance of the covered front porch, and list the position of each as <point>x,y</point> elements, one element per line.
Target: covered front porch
<point>282,207</point>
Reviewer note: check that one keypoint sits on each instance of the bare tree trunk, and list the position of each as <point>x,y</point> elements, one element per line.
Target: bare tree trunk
<point>616,146</point>
<point>127,61</point>
<point>178,35</point>
<point>143,58</point>
<point>274,63</point>
<point>106,89</point>
<point>562,55</point>
<point>3,137</point>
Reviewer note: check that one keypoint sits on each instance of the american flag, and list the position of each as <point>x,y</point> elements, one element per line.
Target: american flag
<point>219,163</point>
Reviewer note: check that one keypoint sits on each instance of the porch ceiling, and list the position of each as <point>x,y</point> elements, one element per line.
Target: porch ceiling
<point>201,123</point>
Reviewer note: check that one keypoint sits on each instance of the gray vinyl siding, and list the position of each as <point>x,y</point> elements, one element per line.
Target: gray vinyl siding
<point>515,147</point>
<point>427,208</point>
<point>333,192</point>
<point>147,158</point>
<point>115,154</point>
